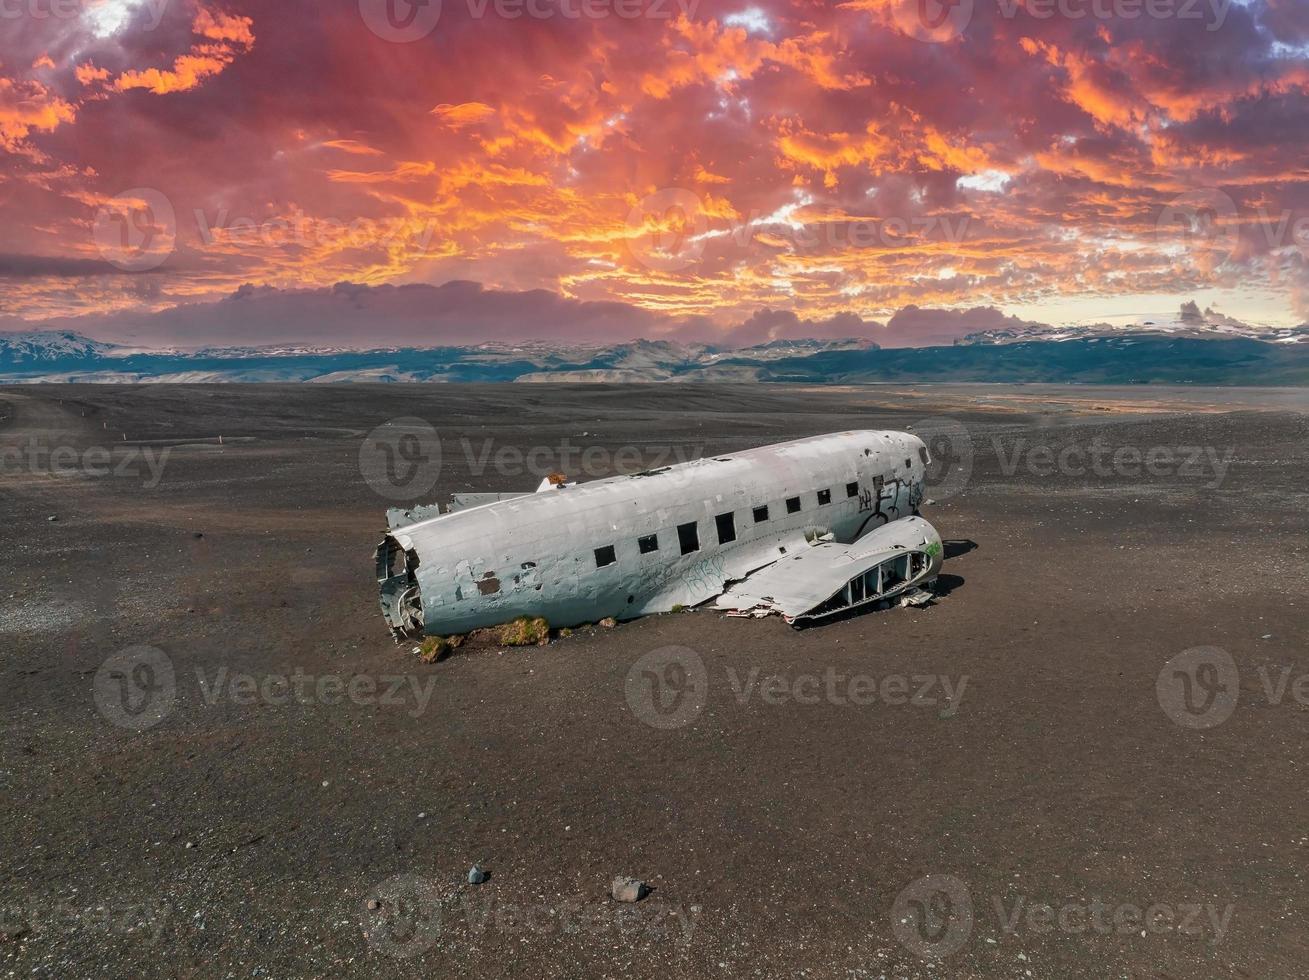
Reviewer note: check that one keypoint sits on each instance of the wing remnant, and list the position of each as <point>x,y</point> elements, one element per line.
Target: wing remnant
<point>828,578</point>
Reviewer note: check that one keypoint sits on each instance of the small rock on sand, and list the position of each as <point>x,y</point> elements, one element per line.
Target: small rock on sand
<point>628,889</point>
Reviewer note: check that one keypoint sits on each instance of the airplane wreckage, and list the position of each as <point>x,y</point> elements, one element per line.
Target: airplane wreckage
<point>809,529</point>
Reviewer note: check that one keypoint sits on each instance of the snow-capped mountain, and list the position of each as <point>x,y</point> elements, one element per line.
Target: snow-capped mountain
<point>50,347</point>
<point>1270,335</point>
<point>1191,322</point>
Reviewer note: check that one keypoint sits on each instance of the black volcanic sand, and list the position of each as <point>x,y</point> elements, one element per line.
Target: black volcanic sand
<point>249,836</point>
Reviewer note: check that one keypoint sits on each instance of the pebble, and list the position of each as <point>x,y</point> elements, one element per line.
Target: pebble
<point>628,889</point>
<point>476,875</point>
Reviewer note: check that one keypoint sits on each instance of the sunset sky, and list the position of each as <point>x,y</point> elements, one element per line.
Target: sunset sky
<point>589,169</point>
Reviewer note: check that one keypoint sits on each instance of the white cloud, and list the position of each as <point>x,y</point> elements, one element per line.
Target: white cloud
<point>754,20</point>
<point>989,181</point>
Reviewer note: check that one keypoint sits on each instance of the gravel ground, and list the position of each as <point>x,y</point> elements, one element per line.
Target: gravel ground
<point>1040,775</point>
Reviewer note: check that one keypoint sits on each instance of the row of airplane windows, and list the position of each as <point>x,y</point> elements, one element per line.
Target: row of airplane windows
<point>688,534</point>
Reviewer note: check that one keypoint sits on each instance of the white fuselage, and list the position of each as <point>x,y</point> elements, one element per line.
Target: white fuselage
<point>628,546</point>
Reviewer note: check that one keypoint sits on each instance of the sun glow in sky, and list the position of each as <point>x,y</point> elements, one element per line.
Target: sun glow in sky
<point>686,163</point>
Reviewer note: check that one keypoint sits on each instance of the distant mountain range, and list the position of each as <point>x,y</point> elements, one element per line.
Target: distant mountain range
<point>1203,353</point>
<point>1195,331</point>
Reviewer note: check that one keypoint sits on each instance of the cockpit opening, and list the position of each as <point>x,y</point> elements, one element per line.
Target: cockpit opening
<point>402,602</point>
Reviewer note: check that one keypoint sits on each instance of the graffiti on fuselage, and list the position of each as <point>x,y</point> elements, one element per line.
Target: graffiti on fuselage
<point>882,503</point>
<point>702,577</point>
<point>887,496</point>
<point>706,575</point>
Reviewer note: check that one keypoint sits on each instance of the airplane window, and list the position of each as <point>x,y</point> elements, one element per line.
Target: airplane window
<point>761,514</point>
<point>648,543</point>
<point>605,556</point>
<point>689,537</point>
<point>851,489</point>
<point>726,527</point>
<point>824,497</point>
<point>793,505</point>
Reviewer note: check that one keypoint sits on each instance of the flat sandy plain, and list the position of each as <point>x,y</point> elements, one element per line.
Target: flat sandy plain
<point>1059,815</point>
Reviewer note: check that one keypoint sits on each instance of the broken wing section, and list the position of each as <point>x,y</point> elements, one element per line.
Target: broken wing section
<point>831,578</point>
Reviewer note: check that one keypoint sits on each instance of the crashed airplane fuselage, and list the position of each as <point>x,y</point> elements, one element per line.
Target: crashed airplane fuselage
<point>805,528</point>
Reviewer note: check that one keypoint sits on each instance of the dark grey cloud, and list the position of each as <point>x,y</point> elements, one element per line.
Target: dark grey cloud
<point>461,313</point>
<point>17,266</point>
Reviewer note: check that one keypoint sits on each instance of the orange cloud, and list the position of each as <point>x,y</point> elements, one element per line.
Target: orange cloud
<point>405,171</point>
<point>89,73</point>
<point>27,107</point>
<point>464,114</point>
<point>226,37</point>
<point>827,152</point>
<point>352,146</point>
<point>225,27</point>
<point>811,56</point>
